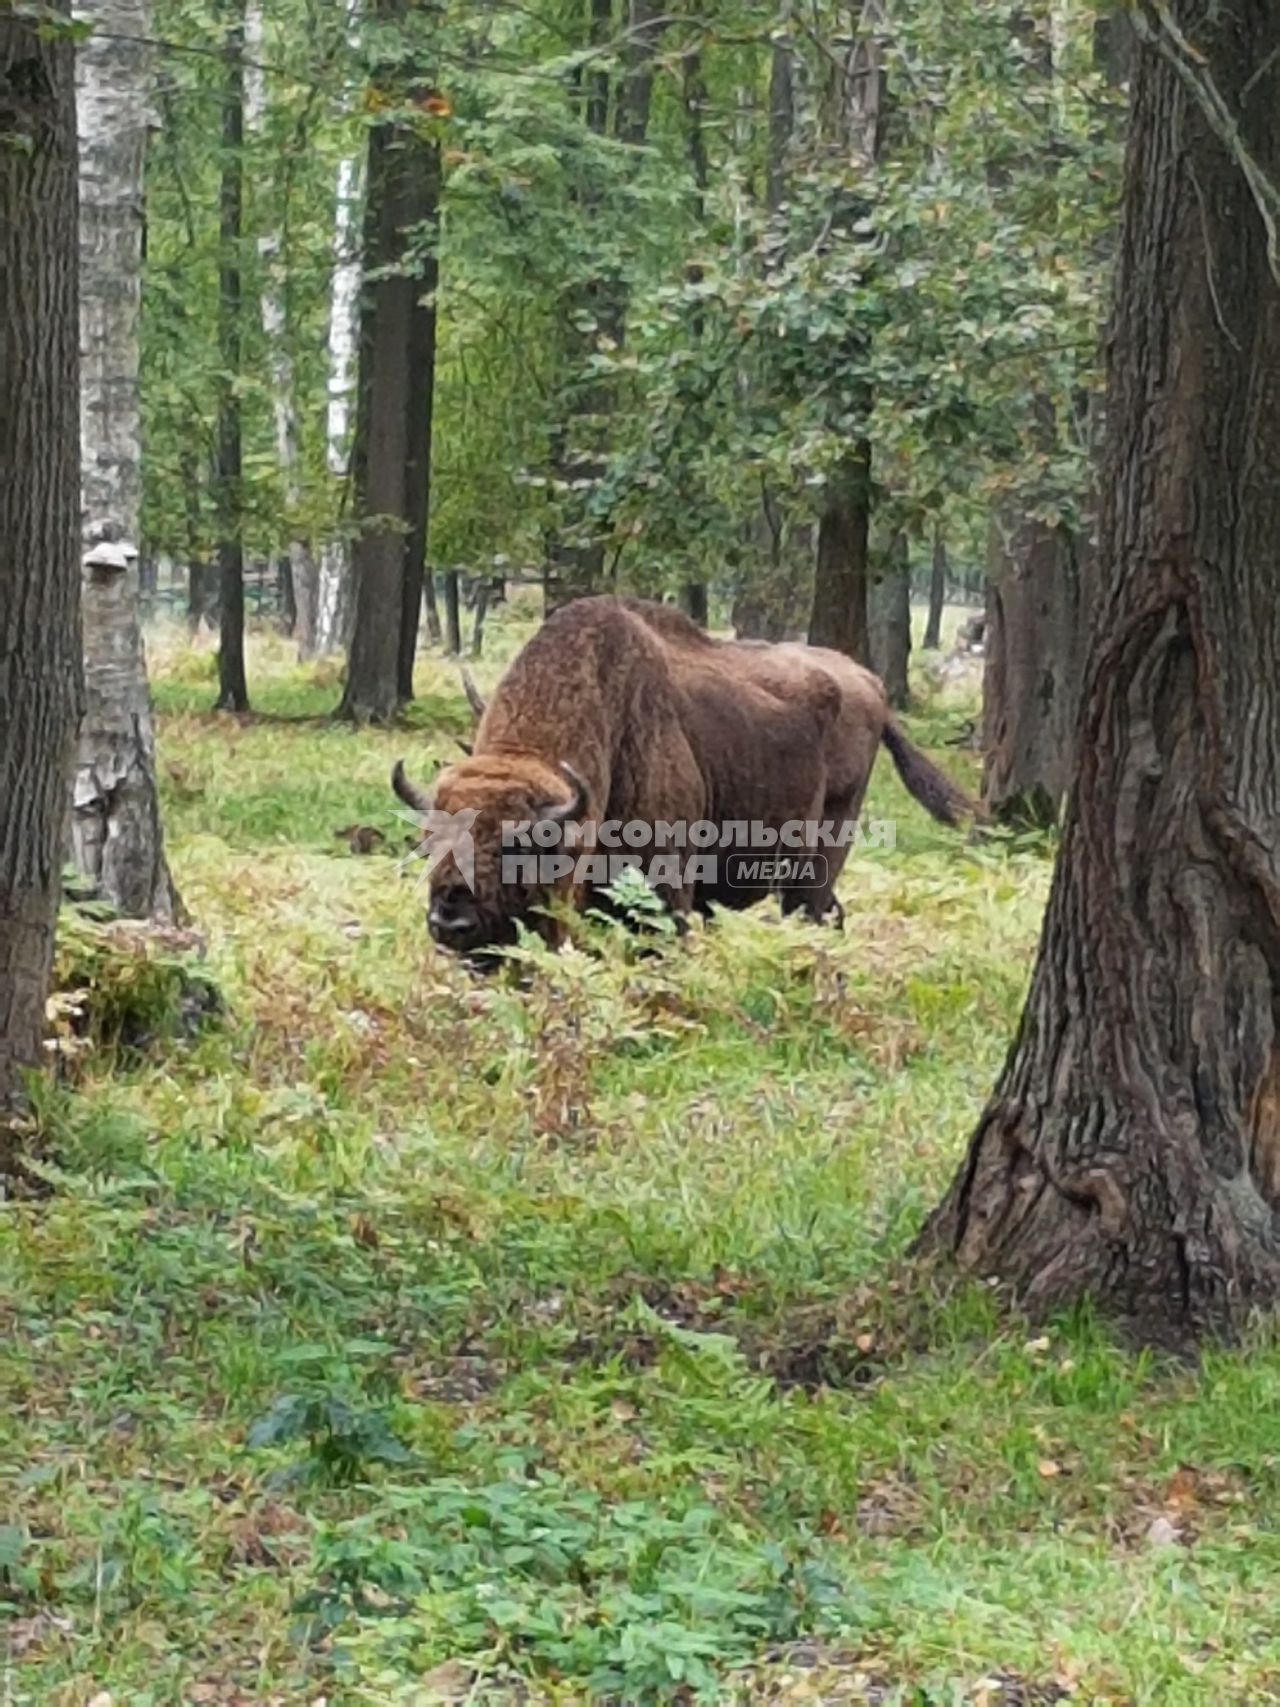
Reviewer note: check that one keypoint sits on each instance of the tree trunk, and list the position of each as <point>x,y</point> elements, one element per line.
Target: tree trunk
<point>117,843</point>
<point>937,590</point>
<point>452,615</point>
<point>839,617</point>
<point>1031,676</point>
<point>197,568</point>
<point>382,449</point>
<point>889,613</point>
<point>574,561</point>
<point>423,215</point>
<point>693,602</point>
<point>1131,1150</point>
<point>277,333</point>
<point>322,618</point>
<point>39,520</point>
<point>233,691</point>
<point>483,592</point>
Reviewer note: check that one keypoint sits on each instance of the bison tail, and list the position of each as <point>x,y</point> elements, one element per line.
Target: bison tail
<point>931,787</point>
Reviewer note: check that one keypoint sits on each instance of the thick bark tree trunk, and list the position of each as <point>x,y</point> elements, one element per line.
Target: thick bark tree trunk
<point>839,615</point>
<point>889,614</point>
<point>117,842</point>
<point>233,691</point>
<point>937,590</point>
<point>39,522</point>
<point>1131,1150</point>
<point>1031,678</point>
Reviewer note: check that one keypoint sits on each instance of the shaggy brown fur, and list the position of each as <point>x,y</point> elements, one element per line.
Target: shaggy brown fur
<point>656,720</point>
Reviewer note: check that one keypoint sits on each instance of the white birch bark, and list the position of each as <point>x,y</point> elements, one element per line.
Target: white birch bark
<point>344,317</point>
<point>115,832</point>
<point>275,330</point>
<point>335,607</point>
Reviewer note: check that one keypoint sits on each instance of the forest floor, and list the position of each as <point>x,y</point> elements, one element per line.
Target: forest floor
<point>404,1338</point>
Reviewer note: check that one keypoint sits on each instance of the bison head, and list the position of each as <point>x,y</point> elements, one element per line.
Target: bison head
<point>478,894</point>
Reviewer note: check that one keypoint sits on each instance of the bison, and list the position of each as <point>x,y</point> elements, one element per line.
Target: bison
<point>620,711</point>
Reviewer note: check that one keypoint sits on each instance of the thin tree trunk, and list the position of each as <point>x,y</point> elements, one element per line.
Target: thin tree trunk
<point>889,610</point>
<point>233,692</point>
<point>197,568</point>
<point>423,216</point>
<point>574,563</point>
<point>937,590</point>
<point>693,602</point>
<point>1131,1150</point>
<point>277,333</point>
<point>323,617</point>
<point>117,843</point>
<point>693,91</point>
<point>39,523</point>
<point>452,615</point>
<point>483,590</point>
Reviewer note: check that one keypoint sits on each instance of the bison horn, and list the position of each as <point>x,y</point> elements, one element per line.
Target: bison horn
<point>575,808</point>
<point>472,691</point>
<point>466,747</point>
<point>418,798</point>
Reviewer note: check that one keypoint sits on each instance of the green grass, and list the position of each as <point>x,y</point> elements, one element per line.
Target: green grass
<point>405,1339</point>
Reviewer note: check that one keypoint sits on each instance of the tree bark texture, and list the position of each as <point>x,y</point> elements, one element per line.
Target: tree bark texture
<point>1031,678</point>
<point>117,842</point>
<point>423,217</point>
<point>937,590</point>
<point>889,618</point>
<point>39,519</point>
<point>1131,1149</point>
<point>233,690</point>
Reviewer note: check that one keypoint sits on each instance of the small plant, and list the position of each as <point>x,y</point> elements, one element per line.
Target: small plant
<point>342,1437</point>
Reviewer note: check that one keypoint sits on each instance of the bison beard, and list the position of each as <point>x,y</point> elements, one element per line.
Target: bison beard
<point>619,709</point>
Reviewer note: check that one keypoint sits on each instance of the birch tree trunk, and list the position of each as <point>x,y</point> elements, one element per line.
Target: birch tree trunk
<point>116,839</point>
<point>39,509</point>
<point>327,627</point>
<point>233,691</point>
<point>276,330</point>
<point>333,581</point>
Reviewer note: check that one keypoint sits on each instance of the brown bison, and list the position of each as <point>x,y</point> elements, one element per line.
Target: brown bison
<point>621,712</point>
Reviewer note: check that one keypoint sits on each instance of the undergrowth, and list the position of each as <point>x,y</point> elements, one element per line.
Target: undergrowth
<point>401,1337</point>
